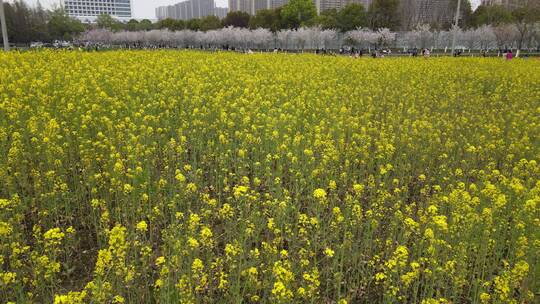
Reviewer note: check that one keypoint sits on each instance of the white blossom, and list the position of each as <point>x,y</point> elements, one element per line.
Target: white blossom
<point>422,36</point>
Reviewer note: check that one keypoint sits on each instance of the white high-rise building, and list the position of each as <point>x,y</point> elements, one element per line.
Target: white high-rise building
<point>253,6</point>
<point>436,12</point>
<point>91,9</point>
<point>511,4</point>
<point>190,9</point>
<point>221,12</point>
<point>323,5</point>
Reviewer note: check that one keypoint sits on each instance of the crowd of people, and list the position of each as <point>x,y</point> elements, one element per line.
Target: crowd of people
<point>353,52</point>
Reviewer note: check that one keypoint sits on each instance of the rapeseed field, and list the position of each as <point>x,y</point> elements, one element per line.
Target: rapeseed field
<point>191,177</point>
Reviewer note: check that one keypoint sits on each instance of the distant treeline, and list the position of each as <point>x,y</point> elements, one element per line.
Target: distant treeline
<point>26,24</point>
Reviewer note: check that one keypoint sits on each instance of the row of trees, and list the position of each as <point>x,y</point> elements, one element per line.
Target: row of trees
<point>393,14</point>
<point>26,24</point>
<point>302,13</point>
<point>297,13</point>
<point>482,38</point>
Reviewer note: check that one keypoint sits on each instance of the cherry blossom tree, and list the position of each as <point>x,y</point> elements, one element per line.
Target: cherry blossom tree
<point>385,37</point>
<point>363,37</point>
<point>284,38</point>
<point>328,38</point>
<point>262,38</point>
<point>506,36</point>
<point>420,37</point>
<point>484,37</point>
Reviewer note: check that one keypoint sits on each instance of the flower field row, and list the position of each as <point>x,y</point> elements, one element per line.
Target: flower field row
<point>186,177</point>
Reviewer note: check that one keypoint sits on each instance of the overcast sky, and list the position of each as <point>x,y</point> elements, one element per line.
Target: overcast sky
<point>146,8</point>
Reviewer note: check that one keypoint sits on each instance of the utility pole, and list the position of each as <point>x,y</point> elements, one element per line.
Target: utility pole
<point>4,27</point>
<point>456,23</point>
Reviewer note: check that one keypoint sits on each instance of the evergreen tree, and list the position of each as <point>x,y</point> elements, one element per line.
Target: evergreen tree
<point>351,17</point>
<point>298,13</point>
<point>236,19</point>
<point>384,14</point>
<point>268,19</point>
<point>63,27</point>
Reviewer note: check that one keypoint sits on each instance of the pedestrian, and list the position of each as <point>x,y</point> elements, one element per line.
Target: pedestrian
<point>509,55</point>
